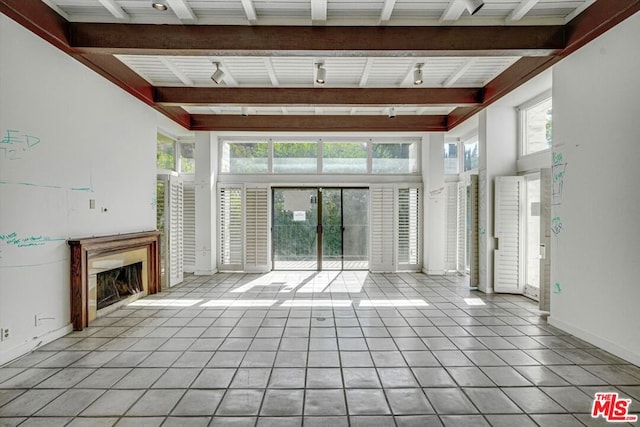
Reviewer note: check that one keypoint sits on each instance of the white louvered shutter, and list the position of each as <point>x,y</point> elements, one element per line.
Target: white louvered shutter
<point>256,229</point>
<point>231,236</point>
<point>451,226</point>
<point>382,229</point>
<point>189,221</point>
<point>462,228</point>
<point>175,230</point>
<point>409,229</point>
<point>474,261</point>
<point>508,229</point>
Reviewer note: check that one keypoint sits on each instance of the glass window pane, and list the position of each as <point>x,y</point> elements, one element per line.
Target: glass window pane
<point>295,157</point>
<point>187,157</point>
<point>471,156</point>
<point>245,157</point>
<point>538,125</point>
<point>395,158</point>
<point>451,158</point>
<point>338,157</point>
<point>166,153</point>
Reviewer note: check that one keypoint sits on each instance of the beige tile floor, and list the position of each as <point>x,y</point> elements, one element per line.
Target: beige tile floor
<point>316,349</point>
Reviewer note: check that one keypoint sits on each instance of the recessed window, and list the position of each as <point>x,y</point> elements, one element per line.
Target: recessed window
<point>187,157</point>
<point>450,158</point>
<point>295,157</point>
<point>395,158</point>
<point>536,122</point>
<point>339,157</point>
<point>245,157</point>
<point>471,155</point>
<point>166,153</point>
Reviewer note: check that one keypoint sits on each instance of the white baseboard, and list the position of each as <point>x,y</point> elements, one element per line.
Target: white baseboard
<point>27,347</point>
<point>604,344</point>
<point>434,272</point>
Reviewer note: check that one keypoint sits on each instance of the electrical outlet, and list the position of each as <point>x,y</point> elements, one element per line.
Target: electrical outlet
<point>5,333</point>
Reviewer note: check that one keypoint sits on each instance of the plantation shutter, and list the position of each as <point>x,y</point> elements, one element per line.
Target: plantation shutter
<point>451,225</point>
<point>462,228</point>
<point>474,250</point>
<point>508,268</point>
<point>176,230</point>
<point>189,221</point>
<point>409,229</point>
<point>161,223</point>
<point>382,229</point>
<point>256,229</point>
<point>231,236</point>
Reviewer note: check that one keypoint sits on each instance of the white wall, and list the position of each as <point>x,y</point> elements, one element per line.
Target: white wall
<point>95,142</point>
<point>434,203</point>
<point>596,129</point>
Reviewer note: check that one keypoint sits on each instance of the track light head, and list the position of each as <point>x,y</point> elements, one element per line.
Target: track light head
<point>244,112</point>
<point>417,75</point>
<point>474,6</point>
<point>392,113</point>
<point>159,5</point>
<point>218,75</point>
<point>321,74</point>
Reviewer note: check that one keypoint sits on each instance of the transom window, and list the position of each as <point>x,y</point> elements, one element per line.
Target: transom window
<point>536,124</point>
<point>319,157</point>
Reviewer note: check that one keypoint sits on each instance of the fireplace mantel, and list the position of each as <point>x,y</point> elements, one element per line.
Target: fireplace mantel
<point>86,248</point>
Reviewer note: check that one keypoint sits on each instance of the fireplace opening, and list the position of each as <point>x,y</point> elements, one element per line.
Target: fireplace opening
<point>118,284</point>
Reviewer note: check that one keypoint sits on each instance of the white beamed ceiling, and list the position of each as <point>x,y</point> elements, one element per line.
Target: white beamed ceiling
<point>339,12</point>
<point>297,71</point>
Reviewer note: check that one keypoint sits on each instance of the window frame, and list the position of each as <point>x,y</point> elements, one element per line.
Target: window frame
<point>522,123</point>
<point>319,159</point>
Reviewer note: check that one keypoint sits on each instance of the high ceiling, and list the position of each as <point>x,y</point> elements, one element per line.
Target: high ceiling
<point>269,52</point>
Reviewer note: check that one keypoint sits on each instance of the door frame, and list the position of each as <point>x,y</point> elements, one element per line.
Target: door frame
<point>319,227</point>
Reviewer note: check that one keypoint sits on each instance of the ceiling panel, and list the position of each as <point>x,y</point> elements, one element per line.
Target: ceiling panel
<point>298,12</point>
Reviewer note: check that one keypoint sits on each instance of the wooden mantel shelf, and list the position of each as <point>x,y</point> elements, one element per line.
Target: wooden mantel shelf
<point>85,248</point>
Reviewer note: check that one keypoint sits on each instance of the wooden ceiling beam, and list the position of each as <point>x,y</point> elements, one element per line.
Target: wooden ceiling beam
<point>312,123</point>
<point>317,97</point>
<point>210,40</point>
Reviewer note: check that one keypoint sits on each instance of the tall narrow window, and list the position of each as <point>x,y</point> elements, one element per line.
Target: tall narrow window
<point>536,122</point>
<point>471,155</point>
<point>451,158</point>
<point>166,153</point>
<point>187,157</point>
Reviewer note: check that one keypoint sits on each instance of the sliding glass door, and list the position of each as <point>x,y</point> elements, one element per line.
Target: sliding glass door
<point>320,229</point>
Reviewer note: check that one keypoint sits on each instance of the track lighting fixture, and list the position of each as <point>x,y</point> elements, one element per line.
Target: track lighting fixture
<point>159,5</point>
<point>320,74</point>
<point>392,113</point>
<point>244,111</point>
<point>417,75</point>
<point>218,75</point>
<point>473,6</point>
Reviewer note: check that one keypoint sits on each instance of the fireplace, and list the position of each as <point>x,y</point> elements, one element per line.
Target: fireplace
<point>110,271</point>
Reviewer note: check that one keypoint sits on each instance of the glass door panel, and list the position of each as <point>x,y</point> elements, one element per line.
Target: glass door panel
<point>331,229</point>
<point>355,220</point>
<point>295,236</point>
<point>532,248</point>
